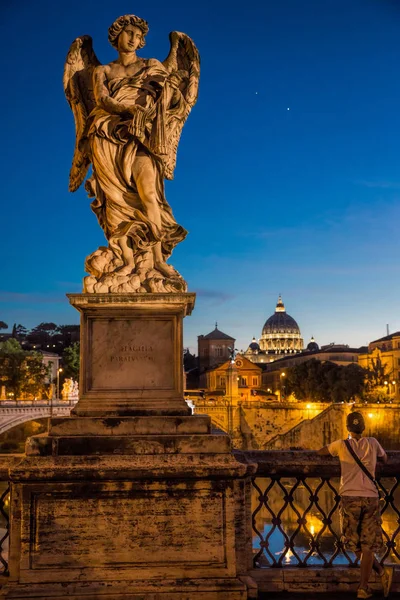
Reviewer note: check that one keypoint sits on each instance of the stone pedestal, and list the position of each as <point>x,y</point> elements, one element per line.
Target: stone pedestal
<point>140,501</point>
<point>131,353</point>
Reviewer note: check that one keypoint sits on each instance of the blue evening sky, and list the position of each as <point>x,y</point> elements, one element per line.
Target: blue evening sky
<point>302,202</point>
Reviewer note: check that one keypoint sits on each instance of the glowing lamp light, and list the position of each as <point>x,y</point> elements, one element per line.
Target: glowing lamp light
<point>385,382</point>
<point>370,415</point>
<point>308,405</point>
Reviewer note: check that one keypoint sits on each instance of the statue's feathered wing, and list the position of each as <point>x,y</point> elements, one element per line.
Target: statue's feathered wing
<point>182,58</point>
<point>78,87</point>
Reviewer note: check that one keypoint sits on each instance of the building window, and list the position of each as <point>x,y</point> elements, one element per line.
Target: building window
<point>218,351</point>
<point>222,382</point>
<point>255,380</point>
<point>243,381</point>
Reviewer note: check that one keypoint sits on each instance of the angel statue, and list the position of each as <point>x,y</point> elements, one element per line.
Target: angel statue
<point>129,116</point>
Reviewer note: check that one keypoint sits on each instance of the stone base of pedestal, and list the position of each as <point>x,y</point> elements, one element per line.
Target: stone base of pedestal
<point>129,507</point>
<point>196,589</point>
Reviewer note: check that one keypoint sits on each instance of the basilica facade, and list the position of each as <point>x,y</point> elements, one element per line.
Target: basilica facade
<point>280,337</point>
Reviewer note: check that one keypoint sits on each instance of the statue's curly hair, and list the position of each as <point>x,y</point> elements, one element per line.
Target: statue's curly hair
<point>121,23</point>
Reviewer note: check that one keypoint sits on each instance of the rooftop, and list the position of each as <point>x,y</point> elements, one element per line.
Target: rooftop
<point>387,337</point>
<point>216,334</point>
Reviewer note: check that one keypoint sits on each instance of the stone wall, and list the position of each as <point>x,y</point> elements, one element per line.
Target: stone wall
<point>258,425</point>
<point>310,425</point>
<point>382,422</point>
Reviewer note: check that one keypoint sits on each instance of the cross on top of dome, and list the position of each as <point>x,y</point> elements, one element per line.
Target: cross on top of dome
<point>280,307</point>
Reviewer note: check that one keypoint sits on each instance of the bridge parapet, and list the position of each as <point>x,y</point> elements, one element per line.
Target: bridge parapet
<point>11,416</point>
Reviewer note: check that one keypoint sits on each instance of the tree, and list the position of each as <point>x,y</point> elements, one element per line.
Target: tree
<point>377,373</point>
<point>42,334</point>
<point>305,381</point>
<point>66,335</point>
<point>19,332</point>
<point>21,371</point>
<point>71,361</point>
<point>325,381</point>
<point>12,359</point>
<point>36,373</point>
<point>3,325</point>
<point>354,381</point>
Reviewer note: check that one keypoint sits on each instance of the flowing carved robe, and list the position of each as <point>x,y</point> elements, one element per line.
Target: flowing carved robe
<point>115,141</point>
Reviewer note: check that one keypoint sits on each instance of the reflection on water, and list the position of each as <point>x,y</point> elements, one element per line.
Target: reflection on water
<point>301,524</point>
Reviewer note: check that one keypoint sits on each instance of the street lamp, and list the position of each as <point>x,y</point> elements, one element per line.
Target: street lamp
<point>282,386</point>
<point>386,383</point>
<point>59,370</point>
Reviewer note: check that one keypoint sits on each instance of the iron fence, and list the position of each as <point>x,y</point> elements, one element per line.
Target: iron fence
<point>4,526</point>
<point>295,510</point>
<point>6,461</point>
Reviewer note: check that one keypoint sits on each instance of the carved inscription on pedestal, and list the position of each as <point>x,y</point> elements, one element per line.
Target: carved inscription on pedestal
<point>135,354</point>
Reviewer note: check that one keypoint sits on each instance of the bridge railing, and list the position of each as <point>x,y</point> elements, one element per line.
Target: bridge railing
<point>297,542</point>
<point>37,403</point>
<point>295,518</point>
<point>6,462</point>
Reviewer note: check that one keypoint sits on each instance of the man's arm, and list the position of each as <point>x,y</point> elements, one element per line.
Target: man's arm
<point>380,453</point>
<point>383,458</point>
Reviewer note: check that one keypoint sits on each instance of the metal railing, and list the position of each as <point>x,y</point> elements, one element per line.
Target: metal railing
<point>4,527</point>
<point>5,462</point>
<point>295,510</point>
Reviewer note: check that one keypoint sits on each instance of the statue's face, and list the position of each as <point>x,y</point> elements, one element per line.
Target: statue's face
<point>130,39</point>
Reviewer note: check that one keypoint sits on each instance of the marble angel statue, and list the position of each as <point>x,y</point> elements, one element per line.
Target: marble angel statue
<point>129,116</point>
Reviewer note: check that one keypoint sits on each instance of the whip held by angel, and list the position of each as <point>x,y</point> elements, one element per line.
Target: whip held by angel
<point>129,116</point>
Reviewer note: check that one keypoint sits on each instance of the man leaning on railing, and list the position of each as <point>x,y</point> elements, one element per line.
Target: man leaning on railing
<point>360,517</point>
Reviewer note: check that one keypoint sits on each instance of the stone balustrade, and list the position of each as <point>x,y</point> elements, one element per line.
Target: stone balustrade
<point>295,518</point>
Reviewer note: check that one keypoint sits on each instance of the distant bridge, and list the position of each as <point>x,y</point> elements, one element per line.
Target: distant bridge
<point>13,414</point>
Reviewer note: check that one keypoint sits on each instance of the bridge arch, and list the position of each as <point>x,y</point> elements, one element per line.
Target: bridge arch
<point>11,417</point>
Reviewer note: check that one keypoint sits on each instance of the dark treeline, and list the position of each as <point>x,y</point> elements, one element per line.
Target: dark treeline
<point>45,336</point>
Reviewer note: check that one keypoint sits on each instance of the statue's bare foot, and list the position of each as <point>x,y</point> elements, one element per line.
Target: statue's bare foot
<point>126,270</point>
<point>166,270</point>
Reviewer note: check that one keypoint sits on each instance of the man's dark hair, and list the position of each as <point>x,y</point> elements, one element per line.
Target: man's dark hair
<point>355,422</point>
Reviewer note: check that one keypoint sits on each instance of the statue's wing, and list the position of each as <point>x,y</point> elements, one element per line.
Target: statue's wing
<point>184,61</point>
<point>78,87</point>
